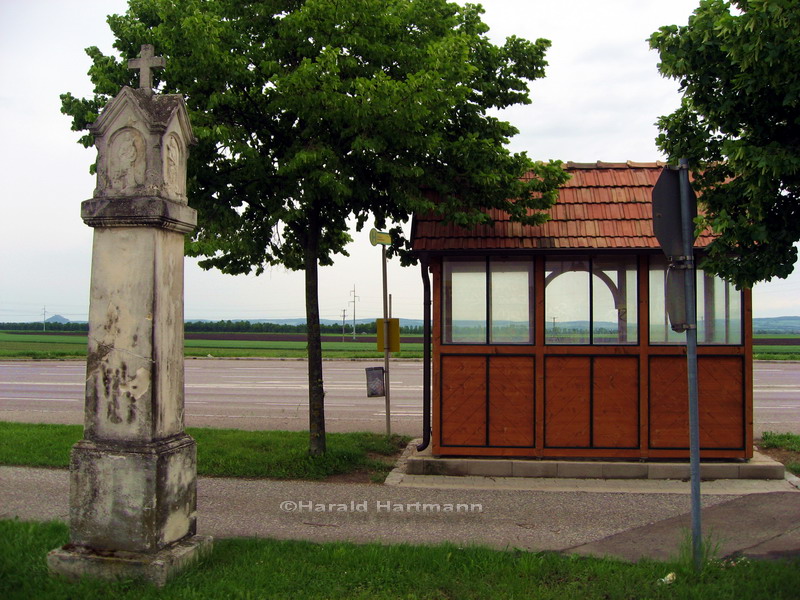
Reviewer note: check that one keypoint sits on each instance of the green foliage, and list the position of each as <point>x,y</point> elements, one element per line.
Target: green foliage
<point>309,113</point>
<point>739,126</point>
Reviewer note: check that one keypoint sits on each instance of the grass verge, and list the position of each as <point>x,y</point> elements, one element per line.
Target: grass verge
<point>258,568</point>
<point>783,447</point>
<point>768,356</point>
<point>225,452</point>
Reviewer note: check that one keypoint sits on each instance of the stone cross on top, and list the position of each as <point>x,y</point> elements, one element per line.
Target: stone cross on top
<point>146,63</point>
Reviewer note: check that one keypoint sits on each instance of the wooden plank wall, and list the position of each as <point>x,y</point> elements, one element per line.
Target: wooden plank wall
<point>720,398</point>
<point>587,401</point>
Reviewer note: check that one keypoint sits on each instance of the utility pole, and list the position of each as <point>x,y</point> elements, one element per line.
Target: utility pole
<point>353,301</point>
<point>344,316</point>
<point>44,318</point>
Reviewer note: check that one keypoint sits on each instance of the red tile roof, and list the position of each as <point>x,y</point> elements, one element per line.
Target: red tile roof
<point>603,205</point>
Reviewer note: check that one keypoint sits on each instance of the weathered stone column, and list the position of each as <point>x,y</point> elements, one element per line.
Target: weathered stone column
<point>133,476</point>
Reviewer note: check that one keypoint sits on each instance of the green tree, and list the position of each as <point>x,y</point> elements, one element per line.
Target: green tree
<point>739,126</point>
<point>313,112</point>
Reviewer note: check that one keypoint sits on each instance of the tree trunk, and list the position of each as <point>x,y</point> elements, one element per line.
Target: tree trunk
<point>316,392</point>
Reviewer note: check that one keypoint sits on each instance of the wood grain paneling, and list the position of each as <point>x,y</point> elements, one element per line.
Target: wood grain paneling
<point>615,403</point>
<point>567,397</point>
<point>511,401</point>
<point>720,402</point>
<point>669,406</point>
<point>463,400</point>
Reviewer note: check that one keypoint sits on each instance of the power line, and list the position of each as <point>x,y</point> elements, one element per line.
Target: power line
<point>353,301</point>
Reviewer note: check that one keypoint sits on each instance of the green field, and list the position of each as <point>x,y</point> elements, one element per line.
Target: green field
<point>17,345</point>
<point>773,351</point>
<point>54,346</point>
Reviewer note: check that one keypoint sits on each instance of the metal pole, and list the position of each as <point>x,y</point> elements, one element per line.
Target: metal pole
<point>691,360</point>
<point>386,344</point>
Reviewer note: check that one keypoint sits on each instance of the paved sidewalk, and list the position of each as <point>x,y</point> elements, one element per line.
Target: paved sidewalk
<point>629,519</point>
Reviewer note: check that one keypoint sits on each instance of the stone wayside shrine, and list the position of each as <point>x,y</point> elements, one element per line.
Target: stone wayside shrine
<point>133,475</point>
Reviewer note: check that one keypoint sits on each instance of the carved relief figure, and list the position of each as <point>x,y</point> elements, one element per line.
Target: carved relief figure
<point>173,167</point>
<point>126,161</point>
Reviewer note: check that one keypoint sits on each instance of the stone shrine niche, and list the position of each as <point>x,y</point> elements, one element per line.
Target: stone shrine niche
<point>142,142</point>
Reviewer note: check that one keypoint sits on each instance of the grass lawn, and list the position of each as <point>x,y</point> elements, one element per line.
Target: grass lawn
<point>262,568</point>
<point>225,452</point>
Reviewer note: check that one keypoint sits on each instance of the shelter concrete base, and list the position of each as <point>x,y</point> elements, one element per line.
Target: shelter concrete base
<point>425,463</point>
<point>75,562</point>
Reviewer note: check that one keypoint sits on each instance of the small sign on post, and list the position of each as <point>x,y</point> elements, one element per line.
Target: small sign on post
<point>376,387</point>
<point>394,335</point>
<point>380,237</point>
<point>667,216</point>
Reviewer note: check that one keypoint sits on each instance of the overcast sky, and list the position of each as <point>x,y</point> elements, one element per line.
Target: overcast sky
<point>599,101</point>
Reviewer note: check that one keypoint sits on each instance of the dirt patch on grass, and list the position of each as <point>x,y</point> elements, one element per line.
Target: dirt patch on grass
<point>785,457</point>
<point>368,475</point>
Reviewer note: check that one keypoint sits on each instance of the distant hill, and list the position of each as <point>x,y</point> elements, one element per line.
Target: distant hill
<point>57,319</point>
<point>776,325</point>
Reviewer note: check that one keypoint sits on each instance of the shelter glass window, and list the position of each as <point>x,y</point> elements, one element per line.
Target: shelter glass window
<point>591,300</point>
<point>719,309</point>
<point>511,284</point>
<point>465,302</point>
<point>614,296</point>
<point>487,301</point>
<point>566,301</point>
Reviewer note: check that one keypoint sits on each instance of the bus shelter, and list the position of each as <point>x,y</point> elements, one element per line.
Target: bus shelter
<point>553,340</point>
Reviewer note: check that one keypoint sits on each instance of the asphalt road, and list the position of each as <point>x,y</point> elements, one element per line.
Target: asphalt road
<point>241,394</point>
<point>271,394</point>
